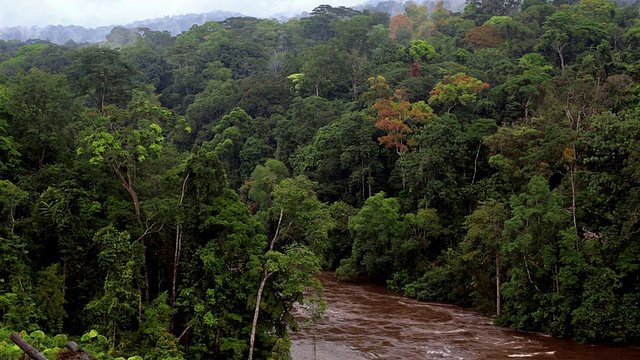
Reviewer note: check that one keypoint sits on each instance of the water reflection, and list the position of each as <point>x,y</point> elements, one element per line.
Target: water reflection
<point>371,322</point>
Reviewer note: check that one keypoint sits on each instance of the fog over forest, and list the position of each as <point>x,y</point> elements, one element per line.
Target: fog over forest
<point>94,13</point>
<point>65,22</point>
<point>170,190</point>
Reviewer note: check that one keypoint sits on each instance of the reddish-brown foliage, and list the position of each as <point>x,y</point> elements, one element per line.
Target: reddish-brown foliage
<point>485,36</point>
<point>400,21</point>
<point>398,118</point>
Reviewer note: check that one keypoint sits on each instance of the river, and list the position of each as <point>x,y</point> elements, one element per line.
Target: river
<point>370,322</point>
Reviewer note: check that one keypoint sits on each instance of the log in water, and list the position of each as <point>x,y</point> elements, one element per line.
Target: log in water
<point>371,322</point>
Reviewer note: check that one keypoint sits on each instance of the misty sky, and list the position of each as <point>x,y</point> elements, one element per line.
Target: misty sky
<point>93,13</point>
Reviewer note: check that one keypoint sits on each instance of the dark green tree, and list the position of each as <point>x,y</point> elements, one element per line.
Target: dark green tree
<point>40,104</point>
<point>100,75</point>
<point>374,229</point>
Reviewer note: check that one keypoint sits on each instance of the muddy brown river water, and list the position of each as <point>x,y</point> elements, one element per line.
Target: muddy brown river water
<point>371,322</point>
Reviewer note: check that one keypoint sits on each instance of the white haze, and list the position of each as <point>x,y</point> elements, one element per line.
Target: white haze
<point>94,13</point>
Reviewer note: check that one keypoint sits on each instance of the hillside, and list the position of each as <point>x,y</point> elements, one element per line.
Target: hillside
<point>59,34</point>
<point>176,193</point>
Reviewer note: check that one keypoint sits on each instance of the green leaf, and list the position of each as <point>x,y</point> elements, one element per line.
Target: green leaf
<point>38,334</point>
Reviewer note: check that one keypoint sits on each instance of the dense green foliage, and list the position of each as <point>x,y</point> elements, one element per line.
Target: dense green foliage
<point>158,190</point>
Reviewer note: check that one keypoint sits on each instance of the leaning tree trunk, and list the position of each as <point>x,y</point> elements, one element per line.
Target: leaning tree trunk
<point>256,312</point>
<point>265,276</point>
<point>24,346</point>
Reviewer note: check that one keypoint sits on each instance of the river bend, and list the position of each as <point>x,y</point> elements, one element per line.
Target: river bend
<point>371,322</point>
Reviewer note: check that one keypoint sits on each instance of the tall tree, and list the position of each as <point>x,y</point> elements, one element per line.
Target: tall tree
<point>567,33</point>
<point>122,139</point>
<point>538,235</point>
<point>374,229</point>
<point>222,244</point>
<point>40,104</point>
<point>482,247</point>
<point>102,76</point>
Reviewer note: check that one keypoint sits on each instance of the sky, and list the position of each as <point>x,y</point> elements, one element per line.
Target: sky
<point>93,13</point>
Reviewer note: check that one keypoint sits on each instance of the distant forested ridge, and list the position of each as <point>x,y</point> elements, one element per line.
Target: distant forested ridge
<point>172,196</point>
<point>176,24</point>
<point>63,34</point>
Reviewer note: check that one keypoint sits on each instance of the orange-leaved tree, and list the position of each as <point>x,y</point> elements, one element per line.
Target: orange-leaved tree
<point>398,118</point>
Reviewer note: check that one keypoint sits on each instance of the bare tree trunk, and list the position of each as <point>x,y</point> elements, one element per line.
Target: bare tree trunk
<point>556,279</point>
<point>475,163</point>
<point>216,348</point>
<point>526,110</point>
<point>134,196</point>
<point>13,221</point>
<point>176,259</point>
<point>64,277</point>
<point>139,307</point>
<point>256,312</point>
<point>41,159</point>
<point>184,332</point>
<point>176,254</point>
<point>498,292</point>
<point>102,102</point>
<point>450,107</point>
<point>370,181</point>
<point>404,177</point>
<point>363,187</point>
<point>265,276</point>
<point>560,48</point>
<point>526,266</point>
<point>127,183</point>
<point>145,273</point>
<point>356,66</point>
<point>178,249</point>
<point>315,346</point>
<point>573,203</point>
